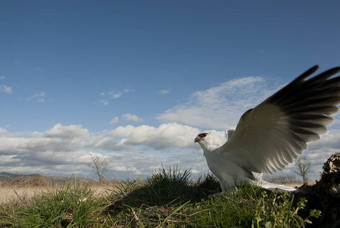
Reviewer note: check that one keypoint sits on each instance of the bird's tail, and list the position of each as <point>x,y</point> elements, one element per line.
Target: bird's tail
<point>271,186</point>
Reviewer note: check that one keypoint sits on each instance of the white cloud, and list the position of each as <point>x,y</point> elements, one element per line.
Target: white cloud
<point>131,151</point>
<point>67,132</point>
<point>3,131</point>
<point>114,120</point>
<point>104,102</point>
<point>57,139</point>
<point>165,136</point>
<point>64,150</point>
<point>163,92</point>
<point>109,95</point>
<point>2,77</point>
<point>221,106</point>
<point>171,135</point>
<point>140,164</point>
<point>115,94</point>
<point>131,117</point>
<point>60,146</point>
<point>5,89</point>
<point>139,150</point>
<point>126,117</point>
<point>319,151</point>
<point>38,97</point>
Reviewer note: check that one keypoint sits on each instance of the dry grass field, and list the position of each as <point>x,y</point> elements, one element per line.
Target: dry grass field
<point>23,188</point>
<point>13,190</point>
<point>15,194</point>
<point>17,189</point>
<point>168,198</point>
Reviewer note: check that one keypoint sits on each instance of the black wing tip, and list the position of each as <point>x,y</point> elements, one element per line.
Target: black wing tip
<point>316,66</point>
<point>332,70</point>
<point>305,74</point>
<point>313,69</point>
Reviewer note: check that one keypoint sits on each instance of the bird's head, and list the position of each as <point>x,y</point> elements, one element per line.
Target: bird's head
<point>201,136</point>
<point>209,140</point>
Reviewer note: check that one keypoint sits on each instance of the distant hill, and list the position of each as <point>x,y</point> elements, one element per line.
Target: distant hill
<point>5,175</point>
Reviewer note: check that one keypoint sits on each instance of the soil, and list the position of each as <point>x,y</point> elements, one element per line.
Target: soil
<point>324,195</point>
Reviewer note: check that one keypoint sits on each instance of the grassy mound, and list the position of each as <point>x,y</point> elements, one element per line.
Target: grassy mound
<point>167,199</point>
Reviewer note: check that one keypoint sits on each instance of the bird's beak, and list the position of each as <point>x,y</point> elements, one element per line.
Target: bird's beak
<point>197,139</point>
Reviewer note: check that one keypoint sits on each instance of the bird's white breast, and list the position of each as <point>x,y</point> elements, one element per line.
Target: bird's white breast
<point>227,171</point>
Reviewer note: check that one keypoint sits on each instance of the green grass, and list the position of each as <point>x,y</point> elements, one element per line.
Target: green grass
<point>166,199</point>
<point>71,206</point>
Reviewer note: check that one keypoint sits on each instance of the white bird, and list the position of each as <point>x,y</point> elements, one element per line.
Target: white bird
<point>274,133</point>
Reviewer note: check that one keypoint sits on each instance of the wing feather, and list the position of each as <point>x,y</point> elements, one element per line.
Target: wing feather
<point>274,133</point>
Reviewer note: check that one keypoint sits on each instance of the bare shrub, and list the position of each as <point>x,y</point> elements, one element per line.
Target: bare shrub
<point>100,165</point>
<point>303,168</point>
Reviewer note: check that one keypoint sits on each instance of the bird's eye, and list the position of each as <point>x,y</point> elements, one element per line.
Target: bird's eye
<point>202,135</point>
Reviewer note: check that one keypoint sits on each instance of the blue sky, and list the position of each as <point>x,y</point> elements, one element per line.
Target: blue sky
<point>90,72</point>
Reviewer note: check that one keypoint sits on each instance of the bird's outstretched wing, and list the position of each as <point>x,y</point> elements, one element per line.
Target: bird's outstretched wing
<point>276,131</point>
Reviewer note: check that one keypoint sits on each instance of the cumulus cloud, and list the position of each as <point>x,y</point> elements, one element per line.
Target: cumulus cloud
<point>131,117</point>
<point>139,150</point>
<point>131,151</point>
<point>135,164</point>
<point>3,131</point>
<point>67,132</point>
<point>127,117</point>
<point>221,106</point>
<point>114,120</point>
<point>171,135</point>
<point>60,146</point>
<point>57,139</point>
<point>5,89</point>
<point>318,152</point>
<point>164,136</point>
